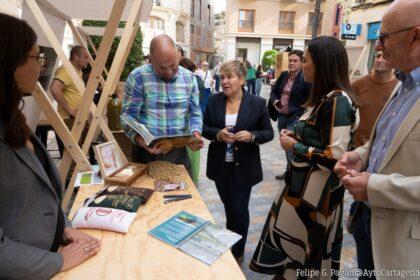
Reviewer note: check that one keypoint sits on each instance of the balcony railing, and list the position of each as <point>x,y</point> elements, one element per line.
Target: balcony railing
<point>286,27</point>
<point>246,26</point>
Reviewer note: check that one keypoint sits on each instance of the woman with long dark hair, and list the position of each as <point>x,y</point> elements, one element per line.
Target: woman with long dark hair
<point>303,231</point>
<point>32,224</point>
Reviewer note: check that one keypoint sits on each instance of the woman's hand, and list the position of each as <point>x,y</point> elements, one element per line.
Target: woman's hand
<point>225,136</point>
<point>243,136</point>
<point>287,132</point>
<point>287,142</point>
<point>74,235</point>
<point>77,252</point>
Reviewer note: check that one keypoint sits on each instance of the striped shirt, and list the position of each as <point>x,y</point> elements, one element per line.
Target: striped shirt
<point>166,108</point>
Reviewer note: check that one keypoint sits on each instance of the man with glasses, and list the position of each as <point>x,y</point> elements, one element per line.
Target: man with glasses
<point>373,91</point>
<point>390,185</point>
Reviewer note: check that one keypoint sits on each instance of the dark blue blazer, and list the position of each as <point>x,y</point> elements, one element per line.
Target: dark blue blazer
<point>253,117</point>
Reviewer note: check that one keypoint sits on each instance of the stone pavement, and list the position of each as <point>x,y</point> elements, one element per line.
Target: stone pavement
<point>262,196</point>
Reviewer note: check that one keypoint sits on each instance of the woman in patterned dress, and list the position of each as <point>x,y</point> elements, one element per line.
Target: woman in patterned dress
<point>303,231</point>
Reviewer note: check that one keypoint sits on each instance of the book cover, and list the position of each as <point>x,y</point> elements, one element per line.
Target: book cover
<point>178,228</point>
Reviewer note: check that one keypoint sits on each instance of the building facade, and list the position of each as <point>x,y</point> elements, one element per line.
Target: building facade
<point>368,14</point>
<point>255,26</point>
<point>189,22</point>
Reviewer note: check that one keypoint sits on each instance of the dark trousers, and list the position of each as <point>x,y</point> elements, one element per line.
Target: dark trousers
<point>177,156</point>
<point>217,86</point>
<point>362,237</point>
<point>235,198</point>
<point>251,86</point>
<point>287,122</point>
<point>206,96</point>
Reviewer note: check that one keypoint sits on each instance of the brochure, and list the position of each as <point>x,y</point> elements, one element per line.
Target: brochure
<point>196,237</point>
<point>89,177</point>
<point>167,142</point>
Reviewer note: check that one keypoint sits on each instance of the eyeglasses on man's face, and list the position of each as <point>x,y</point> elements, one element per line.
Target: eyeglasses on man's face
<point>383,36</point>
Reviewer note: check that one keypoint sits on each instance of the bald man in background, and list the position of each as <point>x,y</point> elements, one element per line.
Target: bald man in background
<point>164,97</point>
<point>390,183</point>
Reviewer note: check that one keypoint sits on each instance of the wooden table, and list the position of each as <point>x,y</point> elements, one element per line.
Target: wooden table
<point>136,255</point>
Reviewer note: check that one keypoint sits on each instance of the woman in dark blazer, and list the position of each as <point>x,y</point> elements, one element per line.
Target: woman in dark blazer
<point>236,123</point>
<point>32,224</point>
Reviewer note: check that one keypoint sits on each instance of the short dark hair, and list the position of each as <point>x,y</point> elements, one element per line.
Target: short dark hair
<point>188,64</point>
<point>299,53</point>
<point>76,50</point>
<point>331,69</point>
<point>18,40</point>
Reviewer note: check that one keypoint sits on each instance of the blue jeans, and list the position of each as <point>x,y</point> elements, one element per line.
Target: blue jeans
<point>258,86</point>
<point>251,86</point>
<point>217,86</point>
<point>287,122</point>
<point>206,96</point>
<point>362,237</point>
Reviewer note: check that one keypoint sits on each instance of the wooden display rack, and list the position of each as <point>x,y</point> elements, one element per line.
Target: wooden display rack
<point>140,9</point>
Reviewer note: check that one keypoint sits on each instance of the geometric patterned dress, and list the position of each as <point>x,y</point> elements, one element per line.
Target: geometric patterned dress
<point>303,230</point>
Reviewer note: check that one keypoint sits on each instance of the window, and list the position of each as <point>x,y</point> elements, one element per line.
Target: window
<point>155,23</point>
<point>311,23</point>
<point>192,8</point>
<point>209,11</point>
<point>246,20</point>
<point>157,2</point>
<point>287,22</point>
<point>200,9</point>
<point>180,32</point>
<point>191,29</point>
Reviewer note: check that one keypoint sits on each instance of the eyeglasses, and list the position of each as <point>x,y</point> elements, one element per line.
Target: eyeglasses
<point>382,37</point>
<point>40,58</point>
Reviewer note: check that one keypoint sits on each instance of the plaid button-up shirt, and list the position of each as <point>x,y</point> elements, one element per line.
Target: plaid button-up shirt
<point>164,107</point>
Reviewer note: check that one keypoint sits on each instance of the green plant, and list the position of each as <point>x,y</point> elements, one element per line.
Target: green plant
<point>135,57</point>
<point>269,59</point>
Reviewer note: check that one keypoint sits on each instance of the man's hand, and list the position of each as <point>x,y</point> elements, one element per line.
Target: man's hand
<point>73,112</point>
<point>198,143</point>
<point>243,136</point>
<point>154,150</point>
<point>349,161</point>
<point>356,184</point>
<point>74,235</point>
<point>286,140</point>
<point>225,136</point>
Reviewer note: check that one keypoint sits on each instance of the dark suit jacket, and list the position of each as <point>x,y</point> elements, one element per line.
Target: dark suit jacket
<point>298,94</point>
<point>29,205</point>
<point>252,116</point>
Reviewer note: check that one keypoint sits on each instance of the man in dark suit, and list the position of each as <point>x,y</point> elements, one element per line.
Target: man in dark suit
<point>288,95</point>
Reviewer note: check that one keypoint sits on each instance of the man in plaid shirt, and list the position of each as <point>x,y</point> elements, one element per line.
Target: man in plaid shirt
<point>165,98</point>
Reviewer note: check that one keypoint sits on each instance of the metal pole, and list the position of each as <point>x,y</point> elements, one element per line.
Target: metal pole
<point>315,20</point>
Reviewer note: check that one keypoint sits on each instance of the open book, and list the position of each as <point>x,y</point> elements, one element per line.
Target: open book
<point>165,143</point>
<point>196,237</point>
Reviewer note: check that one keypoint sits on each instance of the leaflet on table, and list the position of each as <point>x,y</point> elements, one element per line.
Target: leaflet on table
<point>89,177</point>
<point>176,140</point>
<point>210,243</point>
<point>179,228</point>
<point>196,237</point>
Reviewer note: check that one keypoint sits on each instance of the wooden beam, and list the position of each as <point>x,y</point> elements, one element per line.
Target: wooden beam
<point>53,10</point>
<point>77,80</point>
<point>95,51</point>
<point>120,58</point>
<point>60,128</point>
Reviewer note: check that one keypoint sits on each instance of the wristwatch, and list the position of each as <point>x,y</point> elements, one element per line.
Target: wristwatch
<point>252,138</point>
